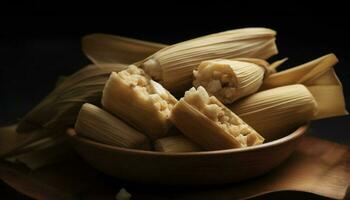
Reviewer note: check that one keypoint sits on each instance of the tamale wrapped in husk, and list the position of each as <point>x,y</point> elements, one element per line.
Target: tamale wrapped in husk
<point>69,97</point>
<point>134,97</point>
<point>274,113</point>
<point>229,80</point>
<point>177,143</point>
<point>173,65</point>
<point>150,109</point>
<point>60,108</point>
<point>319,77</point>
<point>208,123</point>
<point>97,124</point>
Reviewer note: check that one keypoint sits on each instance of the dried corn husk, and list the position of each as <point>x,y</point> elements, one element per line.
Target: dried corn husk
<point>50,150</point>
<point>107,50</point>
<point>134,97</point>
<point>178,143</point>
<point>99,125</point>
<point>319,77</point>
<point>273,66</point>
<point>276,112</point>
<point>328,92</point>
<point>301,73</point>
<point>12,143</point>
<point>207,122</point>
<point>173,66</point>
<point>229,80</point>
<point>60,108</point>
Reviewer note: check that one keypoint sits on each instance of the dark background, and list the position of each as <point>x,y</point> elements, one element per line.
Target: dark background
<point>35,50</point>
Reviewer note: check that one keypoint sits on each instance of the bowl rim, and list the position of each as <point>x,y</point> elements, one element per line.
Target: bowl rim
<point>290,137</point>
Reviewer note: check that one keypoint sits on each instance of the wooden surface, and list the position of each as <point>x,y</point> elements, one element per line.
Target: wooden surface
<point>317,169</point>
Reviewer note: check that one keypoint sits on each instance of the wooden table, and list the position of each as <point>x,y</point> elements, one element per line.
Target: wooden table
<point>318,169</point>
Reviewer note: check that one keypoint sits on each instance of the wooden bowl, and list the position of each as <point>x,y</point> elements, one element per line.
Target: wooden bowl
<point>209,167</point>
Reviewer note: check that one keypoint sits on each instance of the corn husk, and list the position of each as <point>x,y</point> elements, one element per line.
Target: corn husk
<point>274,113</point>
<point>97,124</point>
<point>107,50</point>
<point>134,97</point>
<point>273,66</point>
<point>47,151</point>
<point>302,73</point>
<point>319,77</point>
<point>229,80</point>
<point>12,143</point>
<point>328,92</point>
<point>60,108</point>
<point>173,66</point>
<point>178,143</point>
<point>34,149</point>
<point>207,122</point>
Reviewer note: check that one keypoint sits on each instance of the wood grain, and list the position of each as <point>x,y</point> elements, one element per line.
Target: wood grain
<point>316,167</point>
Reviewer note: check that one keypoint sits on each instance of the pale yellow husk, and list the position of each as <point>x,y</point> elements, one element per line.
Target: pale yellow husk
<point>208,123</point>
<point>274,113</point>
<point>229,80</point>
<point>319,77</point>
<point>134,97</point>
<point>301,73</point>
<point>108,50</point>
<point>177,143</point>
<point>328,92</point>
<point>97,124</point>
<point>173,65</point>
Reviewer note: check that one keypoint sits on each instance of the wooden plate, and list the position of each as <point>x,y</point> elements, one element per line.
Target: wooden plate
<point>209,167</point>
